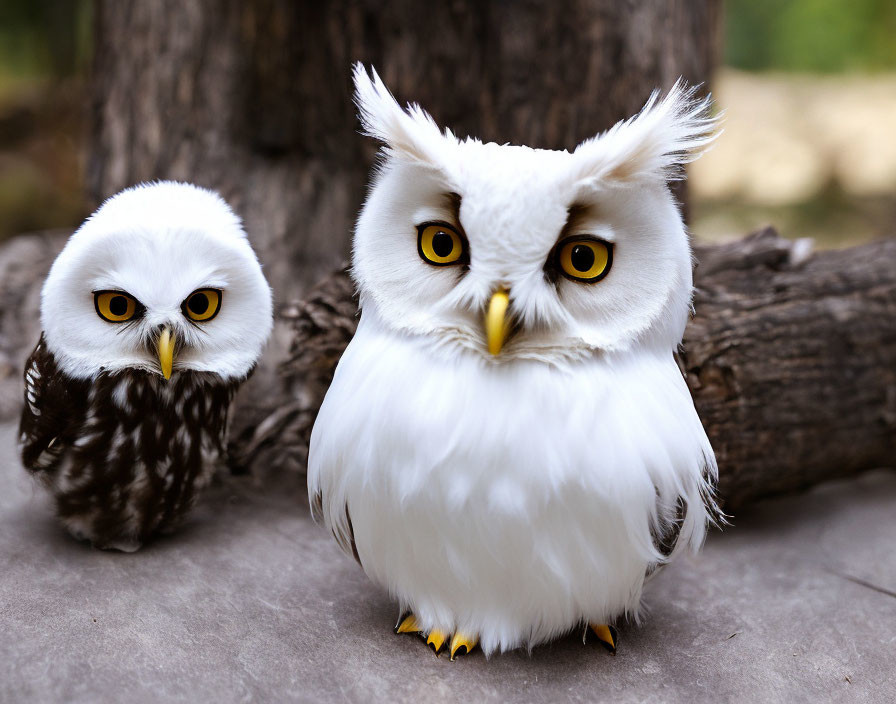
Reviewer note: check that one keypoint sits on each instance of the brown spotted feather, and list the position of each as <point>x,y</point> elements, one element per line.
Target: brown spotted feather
<point>124,454</point>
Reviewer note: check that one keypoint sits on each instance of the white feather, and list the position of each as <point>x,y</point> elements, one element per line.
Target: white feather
<point>666,134</point>
<point>158,242</point>
<point>411,135</point>
<point>514,501</point>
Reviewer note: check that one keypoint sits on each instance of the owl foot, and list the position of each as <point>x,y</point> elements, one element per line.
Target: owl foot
<point>461,643</point>
<point>606,634</point>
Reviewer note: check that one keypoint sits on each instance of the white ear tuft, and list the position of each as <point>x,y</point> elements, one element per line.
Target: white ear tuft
<point>655,143</point>
<point>411,135</point>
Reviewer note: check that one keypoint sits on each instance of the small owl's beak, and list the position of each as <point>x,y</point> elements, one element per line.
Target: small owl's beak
<point>166,351</point>
<point>496,324</point>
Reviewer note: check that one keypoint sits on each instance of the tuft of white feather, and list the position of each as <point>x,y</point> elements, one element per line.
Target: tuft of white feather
<point>410,135</point>
<point>654,144</point>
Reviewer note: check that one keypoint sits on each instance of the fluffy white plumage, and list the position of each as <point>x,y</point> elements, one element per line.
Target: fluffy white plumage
<point>518,495</point>
<point>159,242</point>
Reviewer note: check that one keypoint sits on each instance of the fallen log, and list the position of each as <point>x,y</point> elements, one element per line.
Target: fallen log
<point>791,360</point>
<point>790,357</point>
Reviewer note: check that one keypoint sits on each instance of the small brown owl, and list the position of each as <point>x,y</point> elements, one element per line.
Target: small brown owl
<point>153,315</point>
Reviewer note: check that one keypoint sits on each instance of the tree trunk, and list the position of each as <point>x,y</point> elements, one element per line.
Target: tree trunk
<point>791,360</point>
<point>253,98</point>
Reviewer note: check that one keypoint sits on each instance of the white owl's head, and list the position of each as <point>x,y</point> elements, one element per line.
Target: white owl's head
<point>585,250</point>
<point>160,278</point>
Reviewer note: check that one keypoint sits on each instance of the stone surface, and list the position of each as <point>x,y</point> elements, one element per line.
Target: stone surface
<point>254,602</point>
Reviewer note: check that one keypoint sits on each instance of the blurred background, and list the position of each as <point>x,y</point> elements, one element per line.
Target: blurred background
<point>816,79</point>
<point>791,359</point>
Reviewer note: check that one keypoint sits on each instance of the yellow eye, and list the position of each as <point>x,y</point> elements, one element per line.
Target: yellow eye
<point>202,305</point>
<point>115,306</point>
<point>438,243</point>
<point>584,259</point>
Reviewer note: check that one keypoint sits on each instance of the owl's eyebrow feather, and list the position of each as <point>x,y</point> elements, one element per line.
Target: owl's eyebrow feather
<point>576,215</point>
<point>452,203</point>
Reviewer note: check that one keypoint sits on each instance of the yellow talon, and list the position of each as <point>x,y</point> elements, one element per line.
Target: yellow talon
<point>408,625</point>
<point>607,635</point>
<point>462,644</point>
<point>436,640</point>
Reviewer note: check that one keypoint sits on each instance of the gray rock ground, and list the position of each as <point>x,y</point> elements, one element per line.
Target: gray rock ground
<point>253,602</point>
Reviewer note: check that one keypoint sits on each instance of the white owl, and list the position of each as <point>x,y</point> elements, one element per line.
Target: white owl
<point>508,445</point>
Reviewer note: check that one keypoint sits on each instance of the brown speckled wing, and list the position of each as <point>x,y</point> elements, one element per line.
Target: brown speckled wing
<point>54,407</point>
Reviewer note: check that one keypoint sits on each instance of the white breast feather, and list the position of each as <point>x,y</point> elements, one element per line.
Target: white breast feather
<point>515,500</point>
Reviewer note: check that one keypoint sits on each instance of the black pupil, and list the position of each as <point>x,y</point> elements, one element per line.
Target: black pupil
<point>442,244</point>
<point>118,305</point>
<point>582,257</point>
<point>198,304</point>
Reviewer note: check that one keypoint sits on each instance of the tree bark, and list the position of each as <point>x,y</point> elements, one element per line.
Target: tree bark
<point>253,98</point>
<point>791,360</point>
<point>24,263</point>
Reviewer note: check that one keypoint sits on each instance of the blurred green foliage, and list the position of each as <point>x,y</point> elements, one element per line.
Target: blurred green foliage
<point>52,37</point>
<point>44,54</point>
<point>44,37</point>
<point>822,36</point>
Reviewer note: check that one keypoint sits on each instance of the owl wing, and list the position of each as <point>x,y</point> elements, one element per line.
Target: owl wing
<point>685,526</point>
<point>346,536</point>
<point>665,541</point>
<point>52,403</point>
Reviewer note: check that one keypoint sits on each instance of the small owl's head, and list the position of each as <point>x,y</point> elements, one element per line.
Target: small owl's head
<point>160,278</point>
<point>528,253</point>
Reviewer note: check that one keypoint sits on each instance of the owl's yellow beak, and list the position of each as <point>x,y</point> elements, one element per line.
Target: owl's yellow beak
<point>496,324</point>
<point>166,351</point>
